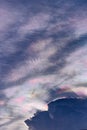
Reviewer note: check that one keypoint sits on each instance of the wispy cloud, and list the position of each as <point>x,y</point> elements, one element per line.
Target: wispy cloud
<point>42,50</point>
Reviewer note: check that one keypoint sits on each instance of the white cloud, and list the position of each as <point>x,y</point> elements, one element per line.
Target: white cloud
<point>79,24</point>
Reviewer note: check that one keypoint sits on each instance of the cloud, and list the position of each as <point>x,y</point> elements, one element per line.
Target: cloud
<point>34,23</point>
<point>9,123</point>
<point>80,27</point>
<point>42,51</point>
<point>62,114</point>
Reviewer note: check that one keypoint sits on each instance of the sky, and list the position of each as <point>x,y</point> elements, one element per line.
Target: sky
<point>43,56</point>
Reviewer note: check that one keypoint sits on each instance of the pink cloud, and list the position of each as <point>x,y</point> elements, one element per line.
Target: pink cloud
<point>2,102</point>
<point>19,100</point>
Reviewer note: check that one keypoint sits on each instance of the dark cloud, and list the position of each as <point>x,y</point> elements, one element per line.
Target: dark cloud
<point>63,114</point>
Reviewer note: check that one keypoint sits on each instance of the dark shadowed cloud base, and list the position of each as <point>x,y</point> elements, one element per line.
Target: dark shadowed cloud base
<point>63,114</point>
